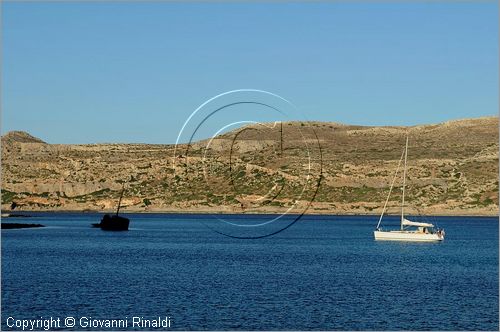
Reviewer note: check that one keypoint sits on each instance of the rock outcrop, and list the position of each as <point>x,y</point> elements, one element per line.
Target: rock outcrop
<point>322,167</point>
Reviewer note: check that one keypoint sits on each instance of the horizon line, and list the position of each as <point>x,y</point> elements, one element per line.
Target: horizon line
<point>293,121</point>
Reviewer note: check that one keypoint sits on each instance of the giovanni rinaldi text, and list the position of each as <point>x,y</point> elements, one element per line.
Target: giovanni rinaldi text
<point>83,322</point>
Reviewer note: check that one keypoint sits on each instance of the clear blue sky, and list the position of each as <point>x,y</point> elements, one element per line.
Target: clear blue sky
<point>133,72</point>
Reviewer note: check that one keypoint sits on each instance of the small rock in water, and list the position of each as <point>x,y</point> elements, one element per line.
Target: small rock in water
<point>17,225</point>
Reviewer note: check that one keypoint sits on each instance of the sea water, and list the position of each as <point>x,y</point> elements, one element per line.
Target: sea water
<point>321,273</point>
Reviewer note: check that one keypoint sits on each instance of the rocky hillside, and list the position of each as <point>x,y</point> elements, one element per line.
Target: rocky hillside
<point>314,166</point>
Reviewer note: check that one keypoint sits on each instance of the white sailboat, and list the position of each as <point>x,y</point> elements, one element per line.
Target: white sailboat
<point>410,230</point>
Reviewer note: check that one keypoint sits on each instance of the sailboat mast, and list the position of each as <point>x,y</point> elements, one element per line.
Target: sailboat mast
<point>390,189</point>
<point>120,201</point>
<point>404,184</point>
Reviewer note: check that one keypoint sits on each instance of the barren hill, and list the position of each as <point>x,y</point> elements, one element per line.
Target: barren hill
<point>322,167</point>
<point>20,137</point>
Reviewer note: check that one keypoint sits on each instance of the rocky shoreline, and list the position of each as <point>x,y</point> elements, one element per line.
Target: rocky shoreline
<point>441,213</point>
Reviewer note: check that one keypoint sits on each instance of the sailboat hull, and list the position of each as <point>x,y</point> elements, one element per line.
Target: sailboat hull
<point>113,223</point>
<point>407,236</point>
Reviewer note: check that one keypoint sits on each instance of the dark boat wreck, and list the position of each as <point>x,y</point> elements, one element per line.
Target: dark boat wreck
<point>114,222</point>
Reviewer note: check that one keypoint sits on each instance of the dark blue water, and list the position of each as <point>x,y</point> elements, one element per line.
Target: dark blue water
<point>324,272</point>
